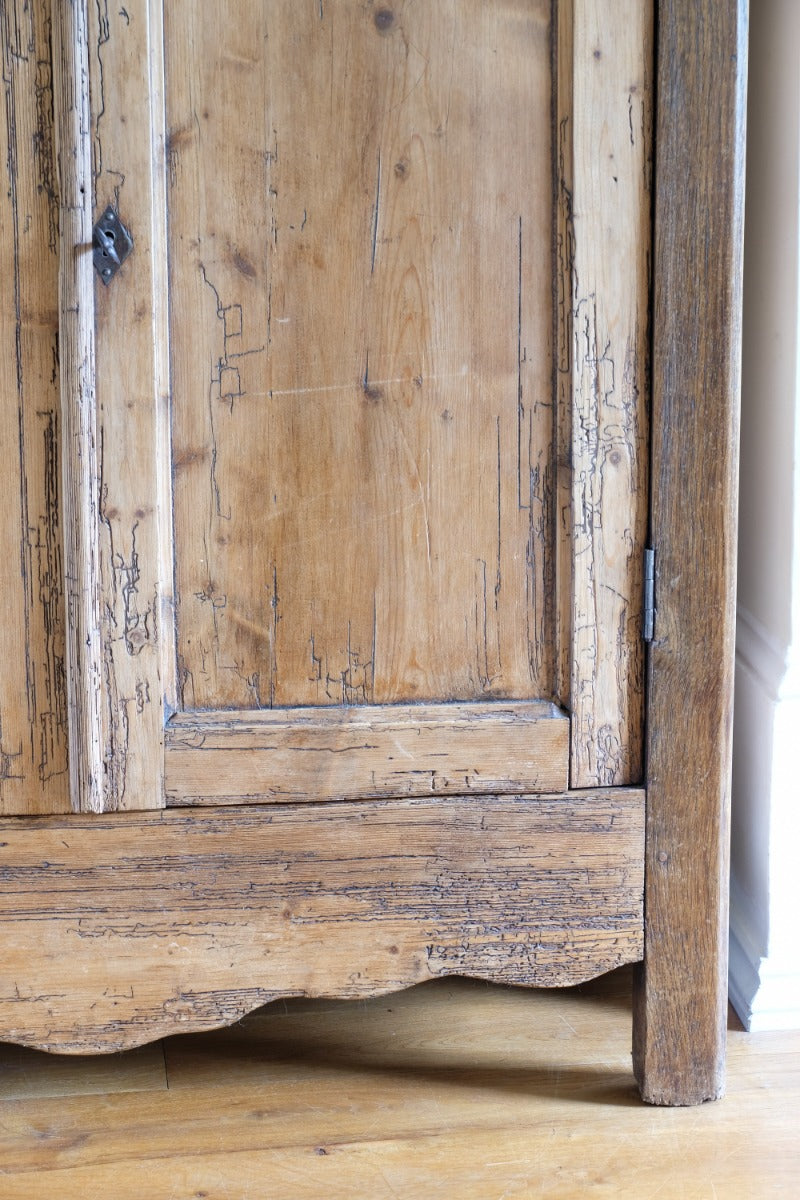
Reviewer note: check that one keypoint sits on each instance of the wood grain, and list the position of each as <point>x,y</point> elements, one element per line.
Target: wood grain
<point>26,1074</point>
<point>366,751</point>
<point>361,351</point>
<point>33,704</point>
<point>135,544</point>
<point>680,1020</point>
<point>118,928</point>
<point>455,1088</point>
<point>80,461</point>
<point>604,151</point>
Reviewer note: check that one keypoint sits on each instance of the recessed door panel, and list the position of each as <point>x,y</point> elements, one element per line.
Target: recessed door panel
<point>360,217</point>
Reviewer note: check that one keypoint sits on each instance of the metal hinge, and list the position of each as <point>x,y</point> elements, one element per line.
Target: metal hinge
<point>649,619</point>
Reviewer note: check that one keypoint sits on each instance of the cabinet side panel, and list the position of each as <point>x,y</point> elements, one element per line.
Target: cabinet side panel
<point>33,712</point>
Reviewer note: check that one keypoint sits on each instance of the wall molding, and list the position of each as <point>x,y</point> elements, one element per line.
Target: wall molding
<point>764,963</point>
<point>775,664</point>
<point>744,957</point>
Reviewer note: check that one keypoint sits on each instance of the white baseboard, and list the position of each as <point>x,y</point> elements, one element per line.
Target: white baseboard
<point>764,963</point>
<point>777,1004</point>
<point>743,977</point>
<point>765,996</point>
<point>764,990</point>
<point>764,968</point>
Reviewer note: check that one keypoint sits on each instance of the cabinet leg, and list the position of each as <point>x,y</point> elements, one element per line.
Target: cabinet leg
<point>681,992</point>
<point>680,989</point>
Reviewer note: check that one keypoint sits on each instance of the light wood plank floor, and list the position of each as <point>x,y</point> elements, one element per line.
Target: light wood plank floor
<point>453,1089</point>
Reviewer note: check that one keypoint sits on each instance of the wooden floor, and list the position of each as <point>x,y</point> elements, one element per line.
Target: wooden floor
<point>453,1089</point>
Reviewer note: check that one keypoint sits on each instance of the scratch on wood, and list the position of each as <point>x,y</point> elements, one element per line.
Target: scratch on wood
<point>316,661</point>
<point>53,715</point>
<point>8,759</point>
<point>225,382</point>
<point>102,172</point>
<point>520,361</point>
<point>117,741</point>
<point>357,678</point>
<point>273,642</point>
<point>376,216</point>
<point>44,144</point>
<point>371,390</point>
<point>33,227</point>
<point>481,627</point>
<point>498,571</point>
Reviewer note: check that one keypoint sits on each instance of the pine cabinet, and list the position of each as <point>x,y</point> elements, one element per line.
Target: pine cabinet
<point>368,543</point>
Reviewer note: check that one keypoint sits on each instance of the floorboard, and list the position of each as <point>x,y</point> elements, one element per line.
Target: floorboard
<point>452,1089</point>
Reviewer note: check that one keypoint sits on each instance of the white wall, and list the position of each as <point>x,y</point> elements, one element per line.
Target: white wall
<point>765,877</point>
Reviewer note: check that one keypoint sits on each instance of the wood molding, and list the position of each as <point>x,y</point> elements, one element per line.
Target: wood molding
<point>364,751</point>
<point>152,923</point>
<point>80,472</point>
<point>679,1029</point>
<point>603,159</point>
<point>135,526</point>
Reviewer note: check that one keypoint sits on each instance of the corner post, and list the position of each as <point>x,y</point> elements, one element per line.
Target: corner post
<point>681,990</point>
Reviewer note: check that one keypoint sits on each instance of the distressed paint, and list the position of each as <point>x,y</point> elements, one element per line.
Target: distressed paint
<point>325,753</point>
<point>179,921</point>
<point>604,153</point>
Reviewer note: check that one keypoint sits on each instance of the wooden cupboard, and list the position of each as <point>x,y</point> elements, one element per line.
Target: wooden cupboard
<point>326,663</point>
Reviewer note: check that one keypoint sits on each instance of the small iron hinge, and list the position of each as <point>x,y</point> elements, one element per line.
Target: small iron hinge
<point>649,620</point>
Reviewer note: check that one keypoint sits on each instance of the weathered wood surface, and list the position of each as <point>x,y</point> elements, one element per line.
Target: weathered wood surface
<point>604,152</point>
<point>80,459</point>
<point>135,550</point>
<point>362,368</point>
<point>679,1033</point>
<point>455,1089</point>
<point>33,704</point>
<point>118,928</point>
<point>396,750</point>
<point>408,319</point>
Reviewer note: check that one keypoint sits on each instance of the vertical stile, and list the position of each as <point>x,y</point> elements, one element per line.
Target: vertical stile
<point>133,406</point>
<point>603,144</point>
<point>80,460</point>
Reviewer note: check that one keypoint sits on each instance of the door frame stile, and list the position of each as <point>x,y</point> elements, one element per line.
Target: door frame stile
<point>681,989</point>
<point>80,470</point>
<point>168,665</point>
<point>603,168</point>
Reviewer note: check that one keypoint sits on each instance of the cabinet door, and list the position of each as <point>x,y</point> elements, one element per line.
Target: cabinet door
<point>371,400</point>
<point>353,463</point>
